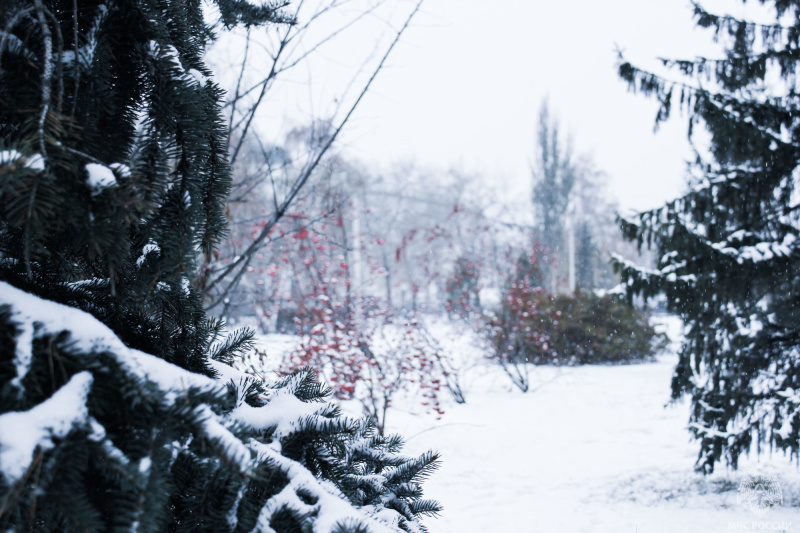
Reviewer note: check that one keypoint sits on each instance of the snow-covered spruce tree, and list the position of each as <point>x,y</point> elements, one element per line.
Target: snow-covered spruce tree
<point>729,253</point>
<point>117,408</point>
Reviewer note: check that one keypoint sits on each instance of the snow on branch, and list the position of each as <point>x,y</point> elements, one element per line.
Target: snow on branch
<point>269,426</point>
<point>38,318</point>
<point>24,432</point>
<point>12,157</point>
<point>762,251</point>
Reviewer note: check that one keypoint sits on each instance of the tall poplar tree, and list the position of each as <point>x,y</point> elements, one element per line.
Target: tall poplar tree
<point>554,175</point>
<point>728,249</point>
<point>119,409</point>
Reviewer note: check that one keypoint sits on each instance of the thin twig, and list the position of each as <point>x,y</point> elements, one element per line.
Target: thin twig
<point>60,64</point>
<point>236,94</point>
<point>76,44</point>
<point>47,72</point>
<point>251,113</point>
<point>243,261</point>
<point>46,88</point>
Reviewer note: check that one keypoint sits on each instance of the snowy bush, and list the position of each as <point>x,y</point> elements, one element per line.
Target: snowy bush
<point>375,360</point>
<point>535,327</point>
<point>585,328</point>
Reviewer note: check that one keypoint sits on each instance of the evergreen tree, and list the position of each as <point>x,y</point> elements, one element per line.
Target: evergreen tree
<point>118,407</point>
<point>728,249</point>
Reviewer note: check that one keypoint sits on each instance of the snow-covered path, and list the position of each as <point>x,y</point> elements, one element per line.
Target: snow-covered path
<point>592,449</point>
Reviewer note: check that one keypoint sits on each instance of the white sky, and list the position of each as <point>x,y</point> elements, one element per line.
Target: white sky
<point>464,86</point>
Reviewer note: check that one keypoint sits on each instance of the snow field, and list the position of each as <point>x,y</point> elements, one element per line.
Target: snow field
<point>594,448</point>
<point>589,449</point>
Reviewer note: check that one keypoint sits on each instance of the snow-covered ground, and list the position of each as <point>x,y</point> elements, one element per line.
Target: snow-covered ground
<point>592,448</point>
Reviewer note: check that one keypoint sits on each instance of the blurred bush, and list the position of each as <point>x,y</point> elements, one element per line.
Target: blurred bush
<point>533,326</point>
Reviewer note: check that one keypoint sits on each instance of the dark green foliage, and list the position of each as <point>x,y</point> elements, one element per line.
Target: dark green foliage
<point>365,466</point>
<point>113,176</point>
<point>174,458</point>
<point>237,342</point>
<point>728,249</point>
<point>8,332</point>
<point>585,329</point>
<point>534,327</point>
<point>577,329</point>
<point>91,479</point>
<point>349,527</point>
<point>126,99</point>
<point>290,521</point>
<point>267,482</point>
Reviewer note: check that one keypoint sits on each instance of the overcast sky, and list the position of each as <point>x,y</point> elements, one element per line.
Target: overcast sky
<point>464,86</point>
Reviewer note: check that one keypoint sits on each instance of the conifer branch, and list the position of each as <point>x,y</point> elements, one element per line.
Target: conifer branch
<point>706,19</point>
<point>663,88</point>
<point>9,28</point>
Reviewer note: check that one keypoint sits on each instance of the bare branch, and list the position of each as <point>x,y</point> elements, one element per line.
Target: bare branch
<point>298,59</point>
<point>47,71</point>
<point>236,94</point>
<point>251,113</point>
<point>77,57</point>
<point>239,266</point>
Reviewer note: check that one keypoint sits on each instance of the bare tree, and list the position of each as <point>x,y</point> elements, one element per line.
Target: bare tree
<point>219,277</point>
